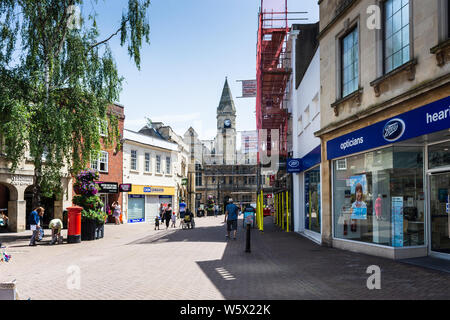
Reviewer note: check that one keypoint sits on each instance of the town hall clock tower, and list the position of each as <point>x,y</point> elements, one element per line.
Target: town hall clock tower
<point>226,127</point>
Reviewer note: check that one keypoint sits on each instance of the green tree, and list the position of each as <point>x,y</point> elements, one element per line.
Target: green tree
<point>56,80</point>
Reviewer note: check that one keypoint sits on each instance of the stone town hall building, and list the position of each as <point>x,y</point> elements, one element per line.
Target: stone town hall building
<point>221,169</point>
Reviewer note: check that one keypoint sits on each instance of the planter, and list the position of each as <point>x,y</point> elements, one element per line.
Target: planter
<point>88,230</point>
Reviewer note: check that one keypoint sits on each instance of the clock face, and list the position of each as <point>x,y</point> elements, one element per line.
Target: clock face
<point>227,123</point>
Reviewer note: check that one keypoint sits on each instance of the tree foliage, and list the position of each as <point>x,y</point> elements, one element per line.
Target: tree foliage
<point>56,82</point>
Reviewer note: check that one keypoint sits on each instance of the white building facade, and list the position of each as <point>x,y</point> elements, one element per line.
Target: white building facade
<point>148,165</point>
<point>304,105</point>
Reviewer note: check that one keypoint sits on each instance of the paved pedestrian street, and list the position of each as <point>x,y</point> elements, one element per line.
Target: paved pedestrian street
<point>133,261</point>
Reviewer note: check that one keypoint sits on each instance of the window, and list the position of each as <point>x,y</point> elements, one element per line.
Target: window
<point>147,162</point>
<point>134,160</point>
<point>231,180</point>
<point>158,164</point>
<point>245,180</point>
<point>103,127</point>
<point>350,63</point>
<point>380,197</point>
<point>396,34</point>
<point>300,125</point>
<point>198,175</point>
<point>168,165</point>
<point>100,163</point>
<point>306,116</point>
<point>341,164</point>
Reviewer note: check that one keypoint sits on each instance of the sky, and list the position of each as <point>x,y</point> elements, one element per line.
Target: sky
<point>194,45</point>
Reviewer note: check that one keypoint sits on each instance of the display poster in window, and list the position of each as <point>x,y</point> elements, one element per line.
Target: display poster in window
<point>136,208</point>
<point>358,187</point>
<point>397,221</point>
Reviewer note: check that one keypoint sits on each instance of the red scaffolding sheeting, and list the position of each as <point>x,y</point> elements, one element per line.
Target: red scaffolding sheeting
<point>272,74</point>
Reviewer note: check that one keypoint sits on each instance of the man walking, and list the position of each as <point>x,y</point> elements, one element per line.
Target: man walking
<point>231,216</point>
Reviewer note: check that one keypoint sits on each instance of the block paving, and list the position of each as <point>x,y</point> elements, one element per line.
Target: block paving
<point>135,262</point>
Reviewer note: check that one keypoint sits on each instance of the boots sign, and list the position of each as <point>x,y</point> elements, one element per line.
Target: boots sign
<point>427,119</point>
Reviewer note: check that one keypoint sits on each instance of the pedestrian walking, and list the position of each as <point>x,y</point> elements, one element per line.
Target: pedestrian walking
<point>174,219</point>
<point>56,226</point>
<point>182,209</point>
<point>231,216</point>
<point>35,227</point>
<point>216,210</point>
<point>168,215</point>
<point>162,211</point>
<point>116,212</point>
<point>157,222</point>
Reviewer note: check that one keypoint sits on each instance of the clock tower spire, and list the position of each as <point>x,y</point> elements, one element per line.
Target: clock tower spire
<point>226,126</point>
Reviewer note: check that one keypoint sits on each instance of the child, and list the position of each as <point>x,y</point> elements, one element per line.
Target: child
<point>174,219</point>
<point>156,222</point>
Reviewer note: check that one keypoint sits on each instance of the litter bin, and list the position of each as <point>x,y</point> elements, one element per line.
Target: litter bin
<point>74,224</point>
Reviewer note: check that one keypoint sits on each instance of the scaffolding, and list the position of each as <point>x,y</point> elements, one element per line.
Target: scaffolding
<point>273,70</point>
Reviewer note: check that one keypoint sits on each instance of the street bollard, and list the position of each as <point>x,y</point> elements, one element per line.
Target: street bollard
<point>248,218</point>
<point>247,240</point>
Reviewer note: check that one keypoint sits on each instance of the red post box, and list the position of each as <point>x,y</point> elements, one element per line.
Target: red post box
<point>74,224</point>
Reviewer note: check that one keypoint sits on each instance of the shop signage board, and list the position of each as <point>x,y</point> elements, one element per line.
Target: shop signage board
<point>107,187</point>
<point>126,187</point>
<point>430,118</point>
<point>294,165</point>
<point>153,190</point>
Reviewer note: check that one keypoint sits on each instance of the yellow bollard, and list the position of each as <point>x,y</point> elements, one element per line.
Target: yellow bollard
<point>282,208</point>
<point>287,211</point>
<point>262,211</point>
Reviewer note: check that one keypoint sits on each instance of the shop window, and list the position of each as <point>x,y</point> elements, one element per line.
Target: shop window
<point>350,63</point>
<point>380,198</point>
<point>396,34</point>
<point>158,164</point>
<point>439,155</point>
<point>134,160</point>
<point>312,200</point>
<point>147,162</point>
<point>168,165</point>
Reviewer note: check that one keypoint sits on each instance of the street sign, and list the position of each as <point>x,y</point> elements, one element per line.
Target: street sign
<point>184,182</point>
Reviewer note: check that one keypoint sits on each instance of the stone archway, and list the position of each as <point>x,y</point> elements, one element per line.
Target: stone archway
<point>12,206</point>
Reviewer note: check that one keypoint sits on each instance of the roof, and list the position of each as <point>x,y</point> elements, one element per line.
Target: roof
<point>149,140</point>
<point>227,98</point>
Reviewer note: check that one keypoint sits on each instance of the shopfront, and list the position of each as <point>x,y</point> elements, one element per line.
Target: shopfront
<point>391,184</point>
<point>144,202</point>
<point>108,193</point>
<point>307,196</point>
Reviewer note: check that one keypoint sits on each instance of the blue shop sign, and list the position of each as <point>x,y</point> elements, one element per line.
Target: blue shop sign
<point>294,165</point>
<point>430,118</point>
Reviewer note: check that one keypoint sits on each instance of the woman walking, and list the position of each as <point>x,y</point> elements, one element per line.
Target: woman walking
<point>116,212</point>
<point>168,215</point>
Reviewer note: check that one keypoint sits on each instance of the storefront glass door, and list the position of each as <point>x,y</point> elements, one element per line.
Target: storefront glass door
<point>440,212</point>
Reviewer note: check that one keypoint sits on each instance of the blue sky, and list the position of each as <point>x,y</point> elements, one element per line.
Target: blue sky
<point>194,44</point>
